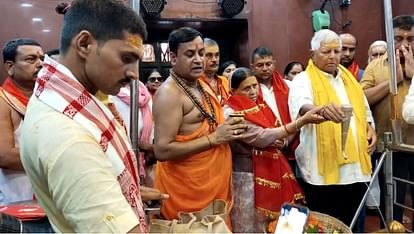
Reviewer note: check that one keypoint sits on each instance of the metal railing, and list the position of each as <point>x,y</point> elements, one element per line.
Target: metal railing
<point>389,192</point>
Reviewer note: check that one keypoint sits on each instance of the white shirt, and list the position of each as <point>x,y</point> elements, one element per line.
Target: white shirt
<point>408,106</point>
<point>14,185</point>
<point>306,154</point>
<point>74,181</point>
<point>269,97</point>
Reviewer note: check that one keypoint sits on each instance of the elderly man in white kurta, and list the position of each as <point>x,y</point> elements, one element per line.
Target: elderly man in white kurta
<point>333,175</point>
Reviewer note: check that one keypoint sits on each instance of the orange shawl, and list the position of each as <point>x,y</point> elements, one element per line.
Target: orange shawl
<point>222,86</point>
<point>14,96</point>
<point>194,182</point>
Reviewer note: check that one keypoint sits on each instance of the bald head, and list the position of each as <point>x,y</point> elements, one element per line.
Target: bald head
<point>349,44</point>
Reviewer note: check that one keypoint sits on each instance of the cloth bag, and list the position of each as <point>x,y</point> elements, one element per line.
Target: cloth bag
<point>211,219</point>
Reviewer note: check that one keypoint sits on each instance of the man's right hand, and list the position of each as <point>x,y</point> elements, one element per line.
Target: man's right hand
<point>332,112</point>
<point>232,129</point>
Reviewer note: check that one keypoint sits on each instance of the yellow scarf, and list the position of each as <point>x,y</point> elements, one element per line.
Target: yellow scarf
<point>328,134</point>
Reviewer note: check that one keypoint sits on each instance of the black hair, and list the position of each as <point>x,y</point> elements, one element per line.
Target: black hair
<point>291,65</point>
<point>239,75</point>
<point>104,19</point>
<point>10,48</point>
<point>261,52</point>
<point>150,71</point>
<point>404,22</point>
<point>224,65</point>
<point>181,35</point>
<point>53,52</point>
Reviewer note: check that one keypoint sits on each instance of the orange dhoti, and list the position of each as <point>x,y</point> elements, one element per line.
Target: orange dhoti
<point>196,181</point>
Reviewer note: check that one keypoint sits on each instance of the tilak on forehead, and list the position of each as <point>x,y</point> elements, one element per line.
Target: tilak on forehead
<point>135,41</point>
<point>332,44</point>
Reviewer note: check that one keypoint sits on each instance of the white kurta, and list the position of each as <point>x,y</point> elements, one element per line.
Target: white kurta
<point>408,106</point>
<point>306,154</point>
<point>269,97</point>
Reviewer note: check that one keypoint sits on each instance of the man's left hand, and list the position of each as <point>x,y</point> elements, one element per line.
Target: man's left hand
<point>372,138</point>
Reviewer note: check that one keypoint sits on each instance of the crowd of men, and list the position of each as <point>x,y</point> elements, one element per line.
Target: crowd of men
<point>62,144</point>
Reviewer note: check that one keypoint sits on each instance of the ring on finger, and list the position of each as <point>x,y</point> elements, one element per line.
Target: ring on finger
<point>235,132</point>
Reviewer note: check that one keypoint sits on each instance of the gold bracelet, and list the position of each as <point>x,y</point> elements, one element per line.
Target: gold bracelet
<point>296,126</point>
<point>209,141</point>
<point>285,126</point>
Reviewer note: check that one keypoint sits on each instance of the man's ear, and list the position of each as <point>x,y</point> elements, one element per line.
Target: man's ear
<point>9,66</point>
<point>173,58</point>
<point>312,54</point>
<point>84,43</point>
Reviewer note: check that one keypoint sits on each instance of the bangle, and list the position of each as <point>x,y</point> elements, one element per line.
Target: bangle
<point>296,126</point>
<point>287,130</point>
<point>209,141</point>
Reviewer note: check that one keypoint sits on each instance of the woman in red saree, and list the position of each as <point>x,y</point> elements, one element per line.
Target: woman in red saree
<point>262,178</point>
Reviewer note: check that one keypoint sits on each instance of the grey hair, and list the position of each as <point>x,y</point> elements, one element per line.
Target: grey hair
<point>376,44</point>
<point>324,36</point>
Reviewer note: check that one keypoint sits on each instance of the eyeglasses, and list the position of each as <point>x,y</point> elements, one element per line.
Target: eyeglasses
<point>154,79</point>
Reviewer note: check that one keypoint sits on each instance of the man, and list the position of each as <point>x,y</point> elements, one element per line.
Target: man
<point>349,44</point>
<point>375,83</point>
<point>191,136</point>
<point>76,154</point>
<point>333,175</point>
<point>22,59</point>
<point>275,92</point>
<point>154,81</point>
<point>219,84</point>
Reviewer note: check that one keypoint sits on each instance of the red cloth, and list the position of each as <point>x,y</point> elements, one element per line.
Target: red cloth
<point>23,212</point>
<point>274,182</point>
<point>15,98</point>
<point>354,69</point>
<point>281,91</point>
<point>11,88</point>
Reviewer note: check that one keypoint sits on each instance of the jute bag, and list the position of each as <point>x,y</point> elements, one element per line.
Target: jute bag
<point>211,219</point>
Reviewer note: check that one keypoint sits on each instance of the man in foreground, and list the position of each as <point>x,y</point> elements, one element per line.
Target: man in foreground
<point>76,154</point>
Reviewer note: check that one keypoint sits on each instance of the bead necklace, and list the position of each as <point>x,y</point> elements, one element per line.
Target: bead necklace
<point>211,117</point>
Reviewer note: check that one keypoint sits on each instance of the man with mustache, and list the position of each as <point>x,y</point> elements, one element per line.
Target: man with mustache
<point>22,60</point>
<point>219,84</point>
<point>376,83</point>
<point>275,91</point>
<point>349,44</point>
<point>191,135</point>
